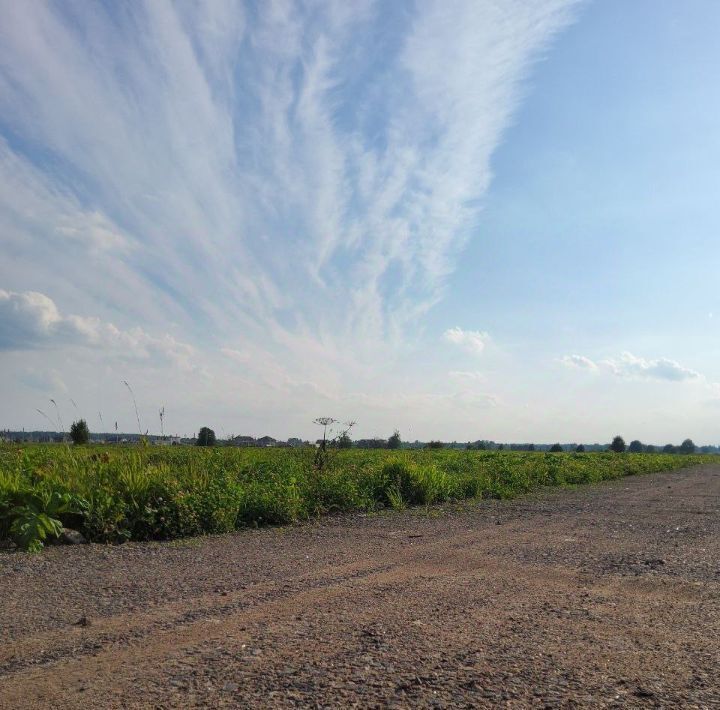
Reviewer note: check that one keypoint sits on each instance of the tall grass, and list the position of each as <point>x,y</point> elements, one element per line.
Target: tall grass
<point>131,493</point>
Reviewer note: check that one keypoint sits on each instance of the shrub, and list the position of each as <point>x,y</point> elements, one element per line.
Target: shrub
<point>36,516</point>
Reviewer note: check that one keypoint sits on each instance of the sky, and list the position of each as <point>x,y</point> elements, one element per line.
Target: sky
<point>481,219</point>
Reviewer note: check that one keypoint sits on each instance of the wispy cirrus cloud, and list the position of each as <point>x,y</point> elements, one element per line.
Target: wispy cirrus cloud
<point>272,144</point>
<point>290,180</point>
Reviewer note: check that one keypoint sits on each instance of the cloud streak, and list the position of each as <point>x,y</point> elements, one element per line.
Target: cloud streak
<point>266,172</point>
<point>290,180</point>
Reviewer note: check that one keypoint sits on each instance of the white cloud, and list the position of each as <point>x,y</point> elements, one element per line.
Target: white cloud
<point>31,320</point>
<point>471,340</point>
<point>629,365</point>
<point>633,367</point>
<point>579,361</point>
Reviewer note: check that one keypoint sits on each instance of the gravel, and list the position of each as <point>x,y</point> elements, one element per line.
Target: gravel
<point>600,596</point>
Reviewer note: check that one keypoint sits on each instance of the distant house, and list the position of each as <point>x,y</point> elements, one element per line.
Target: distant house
<point>168,441</point>
<point>266,441</point>
<point>243,441</point>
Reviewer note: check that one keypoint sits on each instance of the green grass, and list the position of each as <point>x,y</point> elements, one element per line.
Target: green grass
<point>114,494</point>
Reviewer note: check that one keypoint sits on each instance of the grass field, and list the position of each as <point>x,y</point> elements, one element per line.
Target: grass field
<point>114,494</point>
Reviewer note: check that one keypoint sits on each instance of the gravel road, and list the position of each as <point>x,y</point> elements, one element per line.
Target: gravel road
<point>601,596</point>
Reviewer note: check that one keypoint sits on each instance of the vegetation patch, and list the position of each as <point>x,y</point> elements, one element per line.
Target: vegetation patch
<point>118,493</point>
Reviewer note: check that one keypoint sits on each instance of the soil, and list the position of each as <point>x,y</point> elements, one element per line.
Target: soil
<point>600,596</point>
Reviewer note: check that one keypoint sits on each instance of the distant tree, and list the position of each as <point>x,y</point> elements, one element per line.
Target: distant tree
<point>531,447</point>
<point>687,447</point>
<point>649,449</point>
<point>579,449</point>
<point>556,449</point>
<point>501,447</point>
<point>79,432</point>
<point>669,449</point>
<point>206,437</point>
<point>344,441</point>
<point>635,447</point>
<point>394,441</point>
<point>618,445</point>
<point>435,445</point>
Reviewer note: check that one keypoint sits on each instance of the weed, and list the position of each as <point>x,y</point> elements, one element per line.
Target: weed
<point>118,493</point>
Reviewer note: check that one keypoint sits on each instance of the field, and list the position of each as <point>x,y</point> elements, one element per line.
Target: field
<point>115,494</point>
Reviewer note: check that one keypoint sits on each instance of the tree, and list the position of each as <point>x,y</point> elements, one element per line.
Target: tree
<point>344,441</point>
<point>579,449</point>
<point>556,449</point>
<point>206,437</point>
<point>79,432</point>
<point>618,445</point>
<point>669,449</point>
<point>531,447</point>
<point>394,441</point>
<point>687,447</point>
<point>435,445</point>
<point>649,449</point>
<point>635,447</point>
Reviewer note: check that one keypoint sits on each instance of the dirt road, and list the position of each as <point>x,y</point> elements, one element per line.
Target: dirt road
<point>603,596</point>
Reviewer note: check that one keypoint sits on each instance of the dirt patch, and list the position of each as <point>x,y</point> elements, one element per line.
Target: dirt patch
<point>601,596</point>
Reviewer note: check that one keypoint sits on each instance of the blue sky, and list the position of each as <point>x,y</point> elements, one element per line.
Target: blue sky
<point>464,220</point>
